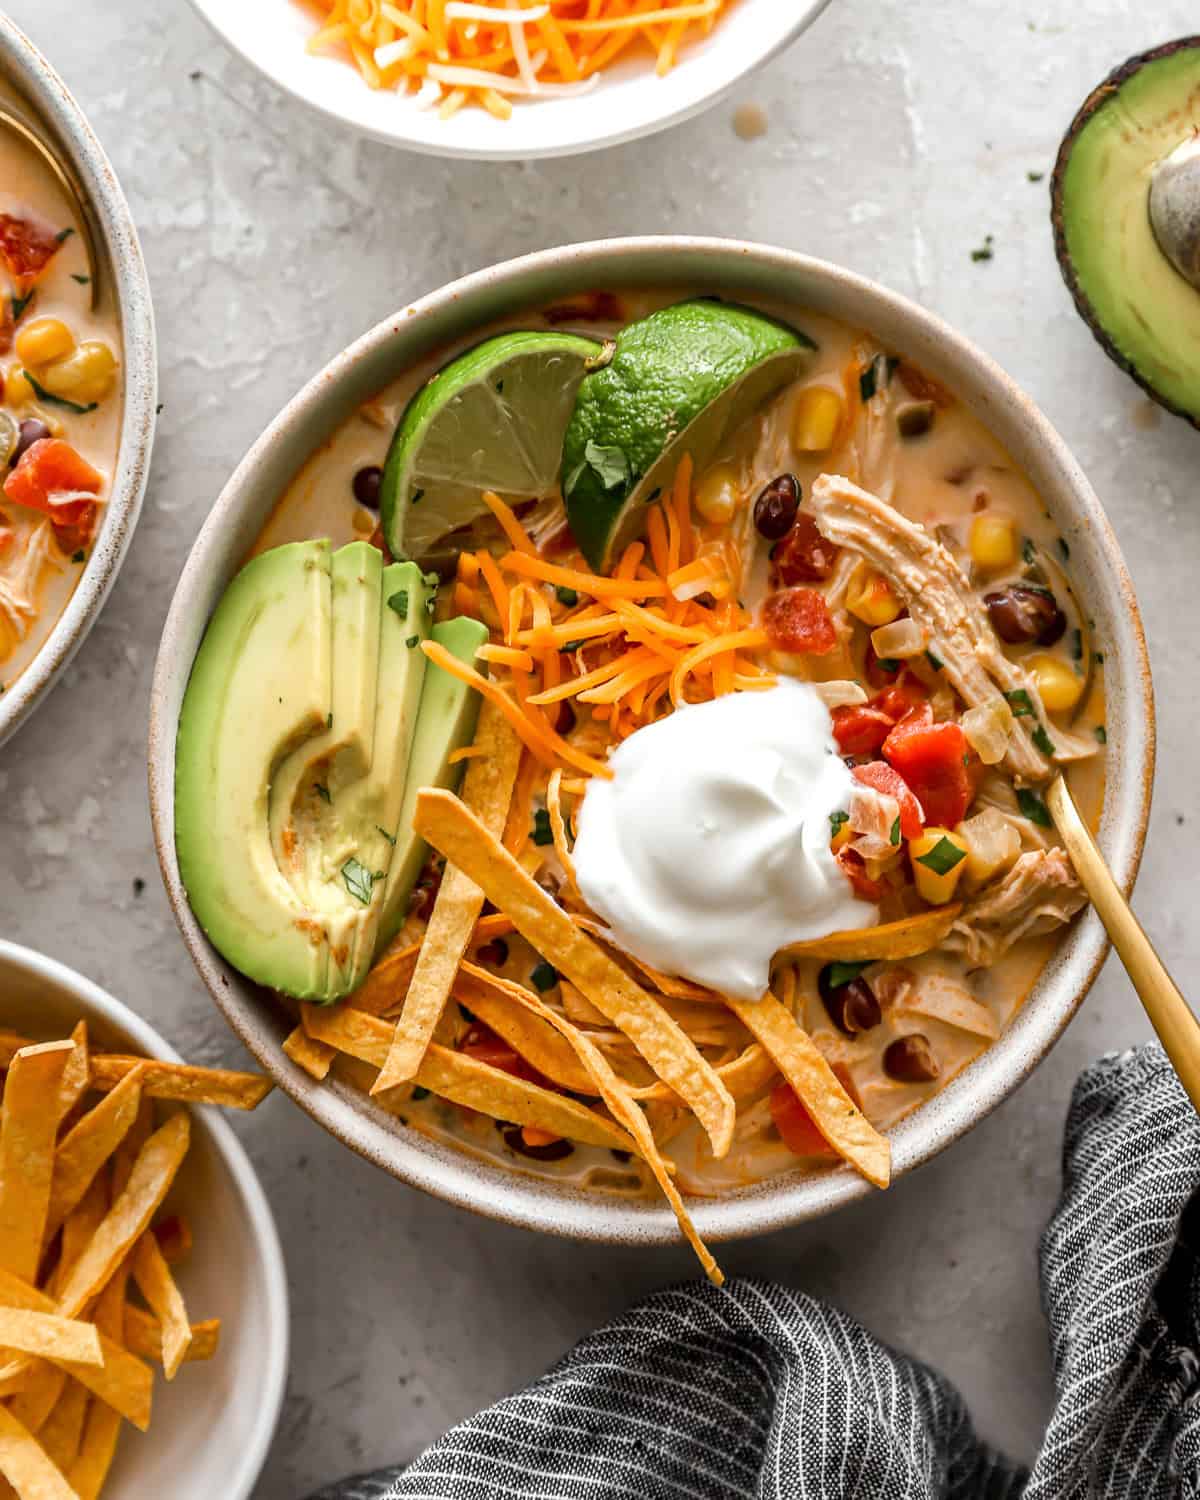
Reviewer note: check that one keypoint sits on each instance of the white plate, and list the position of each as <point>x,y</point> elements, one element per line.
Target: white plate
<point>212,1425</point>
<point>629,101</point>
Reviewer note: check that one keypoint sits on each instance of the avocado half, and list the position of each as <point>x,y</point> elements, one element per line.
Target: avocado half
<point>1144,314</point>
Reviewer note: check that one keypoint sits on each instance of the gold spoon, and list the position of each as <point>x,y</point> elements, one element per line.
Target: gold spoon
<point>70,185</point>
<point>1170,1015</point>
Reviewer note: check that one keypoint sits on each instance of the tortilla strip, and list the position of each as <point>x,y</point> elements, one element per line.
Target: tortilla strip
<point>616,1095</point>
<point>443,821</point>
<point>745,1076</point>
<point>161,1291</point>
<point>77,1074</point>
<point>818,1088</point>
<point>86,1147</point>
<point>27,1153</point>
<point>314,1057</point>
<point>463,1080</point>
<point>907,938</point>
<point>666,984</point>
<point>49,1336</point>
<point>182,1082</point>
<point>102,1426</point>
<point>518,822</point>
<point>27,1468</point>
<point>43,1386</point>
<point>558,831</point>
<point>488,791</point>
<point>143,1336</point>
<point>60,1434</point>
<point>382,992</point>
<point>491,999</point>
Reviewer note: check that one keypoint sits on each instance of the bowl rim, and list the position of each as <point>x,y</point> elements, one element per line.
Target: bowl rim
<point>24,63</point>
<point>499,1191</point>
<point>619,132</point>
<point>237,1164</point>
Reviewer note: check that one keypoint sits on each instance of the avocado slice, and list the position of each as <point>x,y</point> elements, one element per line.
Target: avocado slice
<point>446,722</point>
<point>1143,312</point>
<point>265,663</point>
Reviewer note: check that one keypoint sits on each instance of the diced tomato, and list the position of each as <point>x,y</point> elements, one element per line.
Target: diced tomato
<point>903,694</point>
<point>50,468</point>
<point>804,555</point>
<point>795,1124</point>
<point>860,729</point>
<point>7,324</point>
<point>26,247</point>
<point>933,759</point>
<point>855,871</point>
<point>881,776</point>
<point>798,620</point>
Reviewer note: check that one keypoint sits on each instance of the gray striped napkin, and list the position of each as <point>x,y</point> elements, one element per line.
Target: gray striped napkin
<point>765,1393</point>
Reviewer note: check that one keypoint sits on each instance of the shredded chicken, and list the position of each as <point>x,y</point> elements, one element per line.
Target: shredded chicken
<point>938,596</point>
<point>1039,893</point>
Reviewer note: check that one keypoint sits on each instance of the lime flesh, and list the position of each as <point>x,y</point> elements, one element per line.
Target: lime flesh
<point>681,379</point>
<point>493,419</point>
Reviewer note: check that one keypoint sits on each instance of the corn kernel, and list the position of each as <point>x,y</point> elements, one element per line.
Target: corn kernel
<point>933,887</point>
<point>816,419</point>
<point>87,375</point>
<point>873,602</point>
<point>17,390</point>
<point>993,541</point>
<point>841,838</point>
<point>717,494</point>
<point>43,341</point>
<point>1059,688</point>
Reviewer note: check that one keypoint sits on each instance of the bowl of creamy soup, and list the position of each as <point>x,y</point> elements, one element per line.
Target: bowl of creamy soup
<point>77,379</point>
<point>599,740</point>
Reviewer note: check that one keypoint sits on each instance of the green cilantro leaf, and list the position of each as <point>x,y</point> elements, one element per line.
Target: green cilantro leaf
<point>567,597</point>
<point>322,791</point>
<point>837,974</point>
<point>1101,734</point>
<point>608,463</point>
<point>942,858</point>
<point>836,819</point>
<point>43,394</point>
<point>1034,808</point>
<point>1020,703</point>
<point>894,836</point>
<point>542,832</point>
<point>399,602</point>
<point>359,880</point>
<point>1043,741</point>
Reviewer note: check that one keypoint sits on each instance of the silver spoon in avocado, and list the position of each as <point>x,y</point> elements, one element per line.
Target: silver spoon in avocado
<point>1175,208</point>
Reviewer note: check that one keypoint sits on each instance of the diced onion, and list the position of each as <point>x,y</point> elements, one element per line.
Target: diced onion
<point>429,94</point>
<point>900,639</point>
<point>988,729</point>
<point>840,694</point>
<point>992,844</point>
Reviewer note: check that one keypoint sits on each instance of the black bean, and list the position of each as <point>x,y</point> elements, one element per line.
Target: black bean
<point>495,952</point>
<point>910,1059</point>
<point>776,507</point>
<point>553,1151</point>
<point>852,1007</point>
<point>367,483</point>
<point>915,418</point>
<point>32,430</point>
<point>1025,612</point>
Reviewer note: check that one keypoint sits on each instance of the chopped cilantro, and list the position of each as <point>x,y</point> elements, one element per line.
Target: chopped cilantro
<point>894,836</point>
<point>837,974</point>
<point>887,664</point>
<point>1077,644</point>
<point>574,645</point>
<point>19,304</point>
<point>1028,552</point>
<point>1098,658</point>
<point>1034,808</point>
<point>608,463</point>
<point>943,857</point>
<point>544,976</point>
<point>359,880</point>
<point>934,661</point>
<point>1101,734</point>
<point>78,557</point>
<point>1043,741</point>
<point>567,597</point>
<point>1064,549</point>
<point>64,234</point>
<point>82,280</point>
<point>836,820</point>
<point>322,791</point>
<point>984,251</point>
<point>1034,176</point>
<point>416,497</point>
<point>413,640</point>
<point>1020,703</point>
<point>419,1093</point>
<point>877,375</point>
<point>328,721</point>
<point>391,838</point>
<point>399,602</point>
<point>542,832</point>
<point>51,400</point>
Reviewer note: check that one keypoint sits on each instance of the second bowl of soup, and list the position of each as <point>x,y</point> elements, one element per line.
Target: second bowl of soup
<point>599,740</point>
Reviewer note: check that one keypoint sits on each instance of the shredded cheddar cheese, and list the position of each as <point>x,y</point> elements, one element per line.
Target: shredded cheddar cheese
<point>449,53</point>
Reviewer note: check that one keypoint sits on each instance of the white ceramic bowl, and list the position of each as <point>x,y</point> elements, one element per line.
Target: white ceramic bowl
<point>212,1425</point>
<point>23,67</point>
<point>628,102</point>
<point>789,284</point>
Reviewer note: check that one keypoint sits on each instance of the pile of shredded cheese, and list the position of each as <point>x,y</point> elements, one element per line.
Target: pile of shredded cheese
<point>488,52</point>
<point>663,629</point>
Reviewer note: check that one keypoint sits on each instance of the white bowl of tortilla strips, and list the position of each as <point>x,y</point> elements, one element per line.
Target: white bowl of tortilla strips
<point>599,736</point>
<point>143,1298</point>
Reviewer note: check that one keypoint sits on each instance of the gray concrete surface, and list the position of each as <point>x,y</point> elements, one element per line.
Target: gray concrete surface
<point>899,136</point>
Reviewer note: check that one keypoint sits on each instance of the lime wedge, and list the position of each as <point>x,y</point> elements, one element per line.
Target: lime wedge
<point>680,380</point>
<point>492,419</point>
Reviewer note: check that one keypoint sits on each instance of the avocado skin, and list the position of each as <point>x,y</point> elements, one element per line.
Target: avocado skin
<point>1101,95</point>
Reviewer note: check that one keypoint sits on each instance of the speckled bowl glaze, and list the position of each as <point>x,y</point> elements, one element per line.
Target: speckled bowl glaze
<point>783,280</point>
<point>62,122</point>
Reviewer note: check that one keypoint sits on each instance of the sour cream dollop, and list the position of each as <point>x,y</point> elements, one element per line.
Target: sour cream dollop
<point>709,848</point>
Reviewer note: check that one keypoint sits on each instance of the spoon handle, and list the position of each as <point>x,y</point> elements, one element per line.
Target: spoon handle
<point>1169,1013</point>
